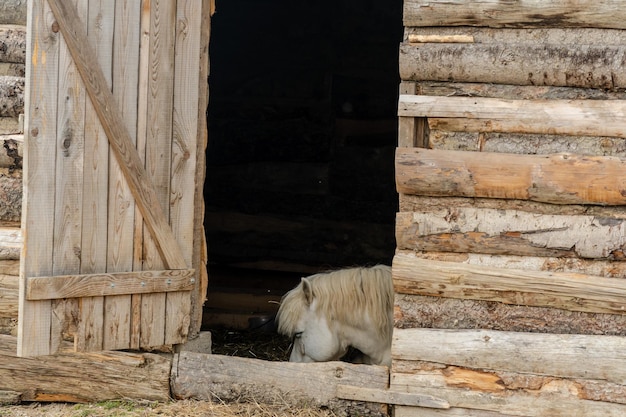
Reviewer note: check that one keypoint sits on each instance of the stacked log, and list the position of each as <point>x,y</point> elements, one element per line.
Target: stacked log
<point>12,60</point>
<point>511,254</point>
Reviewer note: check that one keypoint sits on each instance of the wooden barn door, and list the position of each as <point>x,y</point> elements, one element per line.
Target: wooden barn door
<point>112,194</point>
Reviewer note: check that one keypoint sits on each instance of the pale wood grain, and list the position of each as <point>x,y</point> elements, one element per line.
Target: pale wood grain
<point>103,284</point>
<point>185,121</point>
<point>567,65</point>
<point>85,377</point>
<point>121,205</point>
<point>210,377</point>
<point>158,154</point>
<point>90,326</point>
<point>561,355</point>
<point>526,13</point>
<point>566,117</point>
<point>387,396</point>
<point>568,291</point>
<point>554,178</point>
<point>119,139</point>
<point>38,208</point>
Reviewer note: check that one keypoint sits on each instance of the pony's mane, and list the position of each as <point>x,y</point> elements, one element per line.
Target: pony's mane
<point>343,295</point>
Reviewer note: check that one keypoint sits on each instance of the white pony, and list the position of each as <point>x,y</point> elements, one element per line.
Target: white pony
<point>328,313</point>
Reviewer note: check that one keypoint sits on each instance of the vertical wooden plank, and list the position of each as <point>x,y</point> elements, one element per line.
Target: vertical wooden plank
<point>412,131</point>
<point>199,255</point>
<point>118,314</point>
<point>158,151</point>
<point>407,127</point>
<point>184,136</point>
<point>69,179</point>
<point>40,148</point>
<point>90,335</point>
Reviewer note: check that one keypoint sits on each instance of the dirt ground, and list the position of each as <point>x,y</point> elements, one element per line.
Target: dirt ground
<point>186,408</point>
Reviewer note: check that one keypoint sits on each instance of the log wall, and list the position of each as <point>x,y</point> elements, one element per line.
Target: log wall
<point>509,236</point>
<point>12,86</point>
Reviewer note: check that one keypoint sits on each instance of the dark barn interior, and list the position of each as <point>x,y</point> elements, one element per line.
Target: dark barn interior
<point>302,133</point>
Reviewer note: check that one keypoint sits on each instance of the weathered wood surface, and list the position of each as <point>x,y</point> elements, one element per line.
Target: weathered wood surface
<point>520,64</point>
<point>11,96</point>
<point>452,313</point>
<point>415,203</point>
<point>512,92</point>
<point>386,396</point>
<point>10,267</point>
<point>78,377</point>
<point>461,137</point>
<point>564,290</point>
<point>559,355</point>
<point>492,231</point>
<point>9,285</point>
<point>11,151</point>
<point>558,179</point>
<point>12,43</point>
<point>407,411</point>
<point>526,13</point>
<point>226,378</point>
<point>41,142</point>
<point>10,243</point>
<point>499,36</point>
<point>488,393</point>
<point>104,284</point>
<point>566,117</point>
<point>10,194</point>
<point>13,12</point>
<point>113,123</point>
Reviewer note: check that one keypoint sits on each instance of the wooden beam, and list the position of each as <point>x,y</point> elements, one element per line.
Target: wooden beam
<point>10,243</point>
<point>76,377</point>
<point>512,232</point>
<point>560,355</point>
<point>121,143</point>
<point>415,38</point>
<point>226,378</point>
<point>526,13</point>
<point>557,178</point>
<point>98,285</point>
<point>348,392</point>
<point>568,291</point>
<point>569,65</point>
<point>564,117</point>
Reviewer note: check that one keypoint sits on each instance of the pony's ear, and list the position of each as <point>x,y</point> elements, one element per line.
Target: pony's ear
<point>307,289</point>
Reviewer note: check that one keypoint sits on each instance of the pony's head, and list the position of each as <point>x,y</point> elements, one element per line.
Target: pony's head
<point>327,313</point>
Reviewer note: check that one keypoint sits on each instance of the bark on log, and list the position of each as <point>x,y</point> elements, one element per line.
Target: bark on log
<point>513,92</point>
<point>567,291</point>
<point>566,117</point>
<point>556,179</point>
<point>13,12</point>
<point>75,377</point>
<point>11,151</point>
<point>12,43</point>
<point>511,232</point>
<point>13,70</point>
<point>520,64</point>
<point>600,268</point>
<point>225,378</point>
<point>414,203</point>
<point>10,195</point>
<point>519,143</point>
<point>11,96</point>
<point>487,393</point>
<point>9,286</point>
<point>413,311</point>
<point>527,13</point>
<point>553,35</point>
<point>558,355</point>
